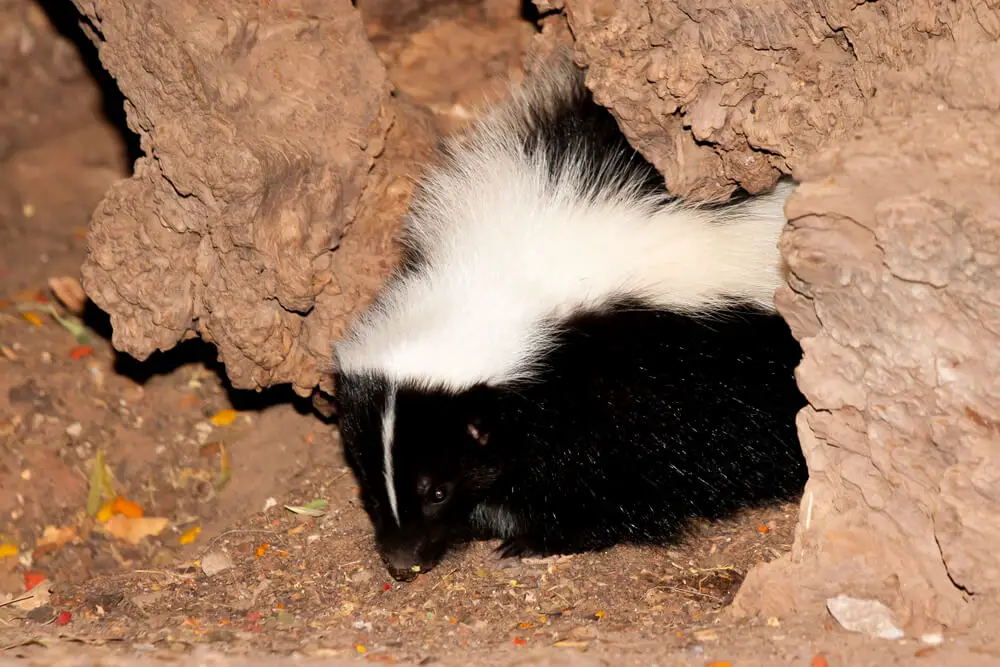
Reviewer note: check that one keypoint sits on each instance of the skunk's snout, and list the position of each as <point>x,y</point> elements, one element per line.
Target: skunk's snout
<point>405,561</point>
<point>401,567</point>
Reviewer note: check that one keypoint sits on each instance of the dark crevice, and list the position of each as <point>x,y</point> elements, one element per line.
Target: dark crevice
<point>944,562</point>
<point>67,22</point>
<point>531,13</point>
<point>194,351</point>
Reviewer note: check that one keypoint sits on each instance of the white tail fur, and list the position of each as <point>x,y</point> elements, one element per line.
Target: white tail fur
<point>508,247</point>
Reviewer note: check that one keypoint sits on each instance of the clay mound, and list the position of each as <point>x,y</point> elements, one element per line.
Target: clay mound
<point>261,126</point>
<point>887,112</point>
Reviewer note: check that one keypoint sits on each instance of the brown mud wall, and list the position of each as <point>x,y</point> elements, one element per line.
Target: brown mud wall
<point>277,165</point>
<point>261,124</point>
<point>886,112</point>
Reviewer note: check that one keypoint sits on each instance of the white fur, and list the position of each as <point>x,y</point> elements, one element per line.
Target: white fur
<point>388,428</point>
<point>496,519</point>
<point>508,249</point>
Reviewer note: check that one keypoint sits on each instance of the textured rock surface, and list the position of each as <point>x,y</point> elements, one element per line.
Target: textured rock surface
<point>465,57</point>
<point>887,112</point>
<point>260,124</point>
<point>894,248</point>
<point>718,93</point>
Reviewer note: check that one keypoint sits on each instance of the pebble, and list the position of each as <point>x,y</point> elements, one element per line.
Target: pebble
<point>215,562</point>
<point>869,617</point>
<point>74,430</point>
<point>361,576</point>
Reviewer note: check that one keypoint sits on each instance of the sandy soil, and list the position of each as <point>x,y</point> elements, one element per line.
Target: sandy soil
<point>284,583</point>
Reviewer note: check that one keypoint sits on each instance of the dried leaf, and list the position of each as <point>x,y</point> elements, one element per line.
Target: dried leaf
<point>189,535</point>
<point>80,351</point>
<point>708,635</point>
<point>71,324</point>
<point>75,327</point>
<point>8,550</point>
<point>225,468</point>
<point>31,295</point>
<point>134,530</point>
<point>104,513</point>
<point>52,537</point>
<point>39,596</point>
<point>224,417</point>
<point>211,449</point>
<point>126,508</point>
<point>315,508</point>
<point>69,292</point>
<point>100,484</point>
<point>32,579</point>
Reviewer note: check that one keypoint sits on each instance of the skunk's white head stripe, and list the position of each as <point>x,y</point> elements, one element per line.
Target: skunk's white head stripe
<point>388,429</point>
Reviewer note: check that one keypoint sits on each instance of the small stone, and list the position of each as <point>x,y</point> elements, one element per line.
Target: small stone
<point>869,617</point>
<point>74,430</point>
<point>202,431</point>
<point>361,576</point>
<point>215,562</point>
<point>932,638</point>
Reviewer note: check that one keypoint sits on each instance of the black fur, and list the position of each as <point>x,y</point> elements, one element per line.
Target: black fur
<point>638,420</point>
<point>577,126</point>
<point>641,420</point>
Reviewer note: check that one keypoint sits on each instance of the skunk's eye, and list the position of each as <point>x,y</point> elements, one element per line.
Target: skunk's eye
<point>440,493</point>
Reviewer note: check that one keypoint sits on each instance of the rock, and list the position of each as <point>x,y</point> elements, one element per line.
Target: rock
<point>215,562</point>
<point>869,617</point>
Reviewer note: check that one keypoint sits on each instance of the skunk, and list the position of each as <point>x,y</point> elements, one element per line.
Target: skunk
<point>567,357</point>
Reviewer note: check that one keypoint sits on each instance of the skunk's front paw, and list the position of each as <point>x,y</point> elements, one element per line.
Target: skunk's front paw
<point>516,547</point>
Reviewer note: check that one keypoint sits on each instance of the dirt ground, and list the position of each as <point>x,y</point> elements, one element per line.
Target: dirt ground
<point>218,570</point>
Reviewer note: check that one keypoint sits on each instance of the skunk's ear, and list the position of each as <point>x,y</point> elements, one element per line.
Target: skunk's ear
<point>478,433</point>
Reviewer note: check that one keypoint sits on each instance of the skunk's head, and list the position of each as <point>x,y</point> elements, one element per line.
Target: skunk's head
<point>423,463</point>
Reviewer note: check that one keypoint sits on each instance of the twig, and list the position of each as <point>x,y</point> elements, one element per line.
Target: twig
<point>16,600</point>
